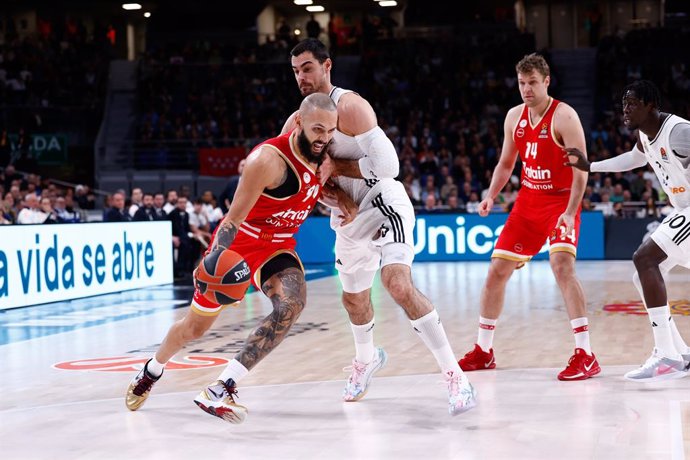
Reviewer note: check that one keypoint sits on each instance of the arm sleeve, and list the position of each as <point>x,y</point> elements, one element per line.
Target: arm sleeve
<point>680,143</point>
<point>623,162</point>
<point>380,159</point>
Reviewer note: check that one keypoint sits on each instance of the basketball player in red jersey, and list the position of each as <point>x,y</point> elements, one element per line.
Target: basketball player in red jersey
<point>279,188</point>
<point>548,206</point>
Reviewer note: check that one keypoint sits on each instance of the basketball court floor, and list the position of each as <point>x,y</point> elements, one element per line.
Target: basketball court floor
<point>65,368</point>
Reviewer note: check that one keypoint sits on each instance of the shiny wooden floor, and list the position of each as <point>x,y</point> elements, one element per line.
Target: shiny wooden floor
<point>65,368</point>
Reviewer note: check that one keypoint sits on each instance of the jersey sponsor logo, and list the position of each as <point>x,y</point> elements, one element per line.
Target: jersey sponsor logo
<point>520,132</point>
<point>289,217</point>
<point>537,173</point>
<point>675,190</point>
<point>130,364</point>
<point>518,247</point>
<point>523,123</point>
<point>534,186</point>
<point>544,133</point>
<point>307,177</point>
<point>664,155</point>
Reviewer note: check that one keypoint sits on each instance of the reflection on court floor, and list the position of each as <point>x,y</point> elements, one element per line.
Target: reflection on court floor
<point>66,367</point>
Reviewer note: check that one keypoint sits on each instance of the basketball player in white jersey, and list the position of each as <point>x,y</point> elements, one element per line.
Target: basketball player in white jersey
<point>364,163</point>
<point>664,143</point>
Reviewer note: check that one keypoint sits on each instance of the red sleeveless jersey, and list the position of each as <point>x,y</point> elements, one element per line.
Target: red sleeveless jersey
<point>274,219</point>
<point>541,154</point>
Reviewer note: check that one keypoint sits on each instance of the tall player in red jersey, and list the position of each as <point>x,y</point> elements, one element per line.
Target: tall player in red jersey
<point>547,207</point>
<point>279,188</point>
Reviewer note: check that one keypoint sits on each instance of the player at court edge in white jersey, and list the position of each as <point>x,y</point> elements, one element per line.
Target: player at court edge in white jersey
<point>363,162</point>
<point>663,143</point>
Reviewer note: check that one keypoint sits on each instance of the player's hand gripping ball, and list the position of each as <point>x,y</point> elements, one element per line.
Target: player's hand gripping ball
<point>223,276</point>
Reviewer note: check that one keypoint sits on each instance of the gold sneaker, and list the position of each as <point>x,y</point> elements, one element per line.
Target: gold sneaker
<point>139,388</point>
<point>219,399</point>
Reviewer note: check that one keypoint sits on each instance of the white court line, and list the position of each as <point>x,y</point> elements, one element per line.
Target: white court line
<point>677,447</point>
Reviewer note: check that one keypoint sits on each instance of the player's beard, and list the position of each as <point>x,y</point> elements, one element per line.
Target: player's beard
<point>305,148</point>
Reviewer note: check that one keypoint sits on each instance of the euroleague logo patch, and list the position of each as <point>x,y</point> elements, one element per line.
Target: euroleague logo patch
<point>678,307</point>
<point>130,364</point>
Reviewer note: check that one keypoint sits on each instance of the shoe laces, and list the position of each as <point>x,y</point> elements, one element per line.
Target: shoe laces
<point>577,357</point>
<point>144,384</point>
<point>452,380</point>
<point>474,353</point>
<point>357,370</point>
<point>229,390</point>
<point>652,361</point>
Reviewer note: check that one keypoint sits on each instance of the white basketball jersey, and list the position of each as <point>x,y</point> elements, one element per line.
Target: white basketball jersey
<point>666,165</point>
<point>345,147</point>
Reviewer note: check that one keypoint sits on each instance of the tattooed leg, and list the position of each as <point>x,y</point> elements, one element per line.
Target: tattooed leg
<point>287,290</point>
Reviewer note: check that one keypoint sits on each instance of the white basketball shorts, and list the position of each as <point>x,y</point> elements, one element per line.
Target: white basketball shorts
<point>673,237</point>
<point>380,234</point>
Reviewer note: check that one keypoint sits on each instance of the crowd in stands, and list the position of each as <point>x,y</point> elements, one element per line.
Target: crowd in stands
<point>52,80</point>
<point>441,100</point>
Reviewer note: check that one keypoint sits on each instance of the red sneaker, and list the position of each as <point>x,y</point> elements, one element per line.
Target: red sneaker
<point>581,366</point>
<point>477,359</point>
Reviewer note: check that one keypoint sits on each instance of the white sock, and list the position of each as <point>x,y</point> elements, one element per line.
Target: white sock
<point>431,332</point>
<point>678,341</point>
<point>485,336</point>
<point>364,341</point>
<point>234,370</point>
<point>154,368</point>
<point>581,331</point>
<point>661,327</point>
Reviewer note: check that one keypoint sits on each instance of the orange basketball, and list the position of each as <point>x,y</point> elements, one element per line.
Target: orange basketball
<point>223,276</point>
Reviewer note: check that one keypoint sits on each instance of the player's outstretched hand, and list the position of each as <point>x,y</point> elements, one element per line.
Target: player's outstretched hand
<point>579,160</point>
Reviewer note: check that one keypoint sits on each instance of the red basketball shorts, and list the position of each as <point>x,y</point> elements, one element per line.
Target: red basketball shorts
<point>532,224</point>
<point>256,253</point>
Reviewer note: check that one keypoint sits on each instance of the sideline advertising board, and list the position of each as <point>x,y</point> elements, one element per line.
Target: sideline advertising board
<point>48,263</point>
<point>449,237</point>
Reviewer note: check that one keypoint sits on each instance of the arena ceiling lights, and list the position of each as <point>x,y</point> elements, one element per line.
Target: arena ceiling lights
<point>303,2</point>
<point>315,8</point>
<point>131,6</point>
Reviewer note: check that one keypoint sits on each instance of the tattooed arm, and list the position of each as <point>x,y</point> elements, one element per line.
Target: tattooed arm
<point>264,169</point>
<point>287,290</point>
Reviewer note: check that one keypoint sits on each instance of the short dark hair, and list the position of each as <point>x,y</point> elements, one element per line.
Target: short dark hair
<point>315,46</point>
<point>646,91</point>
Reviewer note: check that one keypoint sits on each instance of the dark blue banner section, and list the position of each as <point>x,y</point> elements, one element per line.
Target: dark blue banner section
<point>449,237</point>
<point>624,236</point>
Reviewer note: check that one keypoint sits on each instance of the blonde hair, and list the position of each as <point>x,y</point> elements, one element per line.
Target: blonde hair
<point>532,62</point>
